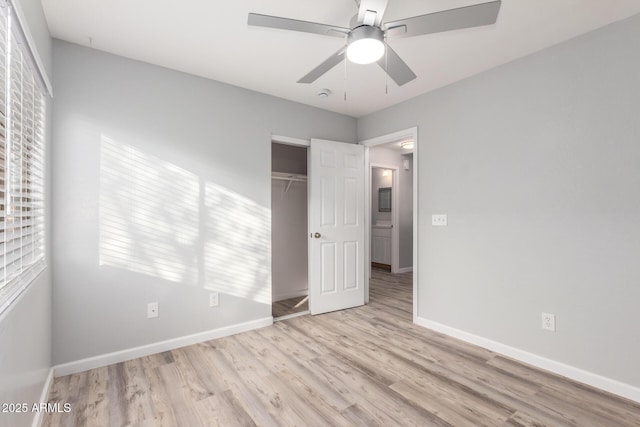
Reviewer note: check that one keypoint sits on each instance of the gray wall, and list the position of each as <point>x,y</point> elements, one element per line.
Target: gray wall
<point>25,349</point>
<point>536,164</point>
<point>123,131</point>
<point>384,155</point>
<point>25,328</point>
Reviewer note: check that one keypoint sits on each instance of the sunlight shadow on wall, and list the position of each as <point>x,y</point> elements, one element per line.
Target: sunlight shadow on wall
<point>160,220</point>
<point>148,214</point>
<point>236,244</point>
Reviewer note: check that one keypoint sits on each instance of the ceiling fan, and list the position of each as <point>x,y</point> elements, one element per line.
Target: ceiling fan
<point>367,37</point>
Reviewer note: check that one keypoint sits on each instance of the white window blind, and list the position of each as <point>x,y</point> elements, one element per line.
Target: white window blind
<point>22,136</point>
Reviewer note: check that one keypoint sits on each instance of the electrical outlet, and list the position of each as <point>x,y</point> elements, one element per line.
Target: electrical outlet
<point>549,322</point>
<point>439,220</point>
<point>214,299</point>
<point>152,310</point>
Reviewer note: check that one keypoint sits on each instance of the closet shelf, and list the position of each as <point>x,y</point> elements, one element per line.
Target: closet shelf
<point>289,177</point>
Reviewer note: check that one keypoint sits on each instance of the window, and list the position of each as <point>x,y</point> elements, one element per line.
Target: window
<point>22,136</point>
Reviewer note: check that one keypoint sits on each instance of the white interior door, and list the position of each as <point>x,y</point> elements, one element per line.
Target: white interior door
<point>336,223</point>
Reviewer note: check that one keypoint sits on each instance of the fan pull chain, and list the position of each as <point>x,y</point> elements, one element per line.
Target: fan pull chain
<point>345,78</point>
<point>386,67</point>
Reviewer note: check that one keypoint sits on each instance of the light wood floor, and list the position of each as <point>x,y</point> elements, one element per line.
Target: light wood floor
<point>288,306</point>
<point>368,366</point>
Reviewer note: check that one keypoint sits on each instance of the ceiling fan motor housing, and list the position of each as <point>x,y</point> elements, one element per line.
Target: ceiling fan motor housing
<point>365,39</point>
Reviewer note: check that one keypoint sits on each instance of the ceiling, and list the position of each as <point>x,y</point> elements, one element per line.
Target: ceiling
<point>211,39</point>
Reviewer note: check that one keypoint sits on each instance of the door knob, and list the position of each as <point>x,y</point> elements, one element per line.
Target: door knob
<point>317,235</point>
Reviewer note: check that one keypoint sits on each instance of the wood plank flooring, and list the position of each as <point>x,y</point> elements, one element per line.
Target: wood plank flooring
<point>368,366</point>
<point>288,306</point>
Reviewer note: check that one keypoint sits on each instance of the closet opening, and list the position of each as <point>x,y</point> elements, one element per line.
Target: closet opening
<point>289,241</point>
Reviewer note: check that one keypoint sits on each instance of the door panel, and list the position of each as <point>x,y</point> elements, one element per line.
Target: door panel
<point>328,265</point>
<point>350,264</point>
<point>351,202</point>
<point>328,201</point>
<point>336,217</point>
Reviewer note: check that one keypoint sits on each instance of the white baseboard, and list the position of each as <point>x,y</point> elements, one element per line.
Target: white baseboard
<point>404,270</point>
<point>44,397</point>
<point>607,384</point>
<point>159,347</point>
<point>292,294</point>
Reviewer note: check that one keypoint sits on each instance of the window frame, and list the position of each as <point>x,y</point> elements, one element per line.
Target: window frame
<point>23,109</point>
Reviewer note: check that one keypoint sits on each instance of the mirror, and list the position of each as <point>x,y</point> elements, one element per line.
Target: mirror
<point>384,199</point>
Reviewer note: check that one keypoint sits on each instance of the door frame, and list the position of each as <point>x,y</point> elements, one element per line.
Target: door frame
<point>300,142</point>
<point>410,133</point>
<point>395,215</point>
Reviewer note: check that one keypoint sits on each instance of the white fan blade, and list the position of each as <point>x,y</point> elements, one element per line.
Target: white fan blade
<point>258,20</point>
<point>396,67</point>
<point>325,66</point>
<point>446,20</point>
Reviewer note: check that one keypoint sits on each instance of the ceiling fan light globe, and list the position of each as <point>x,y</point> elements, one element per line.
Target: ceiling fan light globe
<point>365,51</point>
<point>365,44</point>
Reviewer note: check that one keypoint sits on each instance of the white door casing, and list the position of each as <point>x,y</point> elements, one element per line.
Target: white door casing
<point>411,133</point>
<point>336,225</point>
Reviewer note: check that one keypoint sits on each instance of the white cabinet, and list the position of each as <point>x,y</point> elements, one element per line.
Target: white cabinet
<point>381,245</point>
